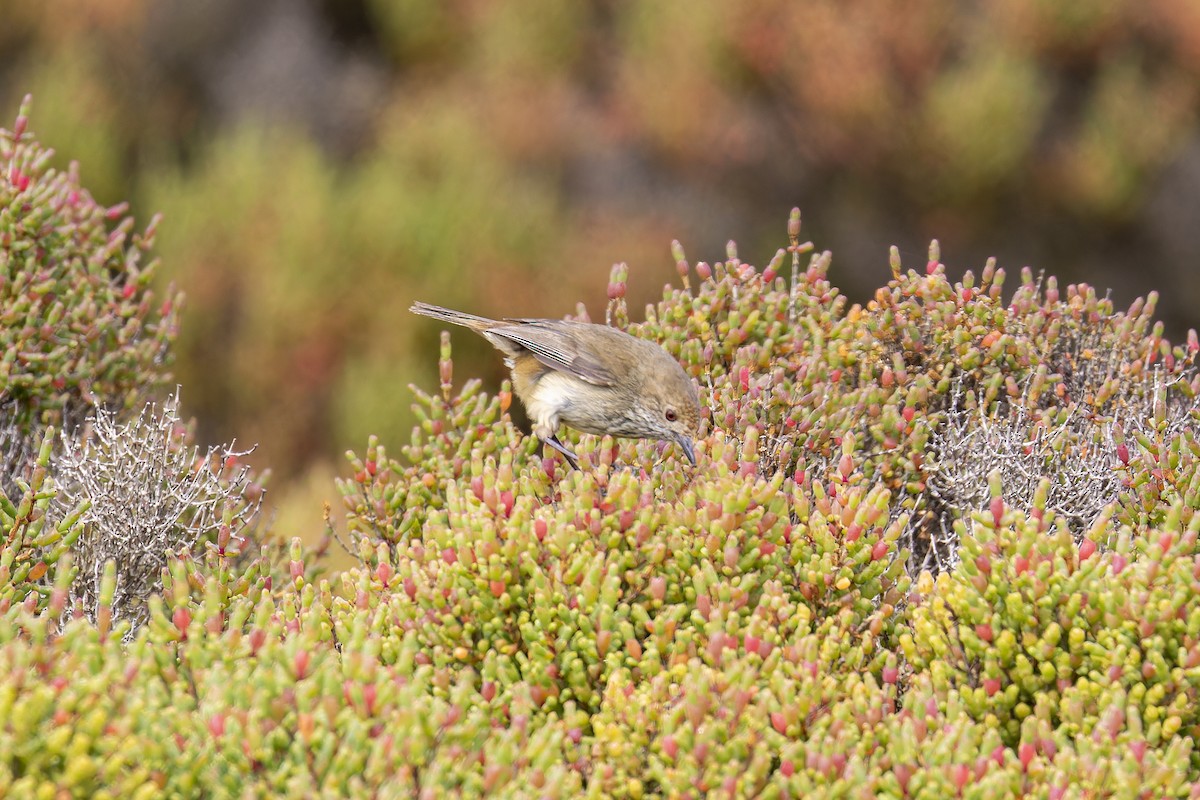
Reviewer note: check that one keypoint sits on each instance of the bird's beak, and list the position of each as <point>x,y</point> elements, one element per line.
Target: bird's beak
<point>686,444</point>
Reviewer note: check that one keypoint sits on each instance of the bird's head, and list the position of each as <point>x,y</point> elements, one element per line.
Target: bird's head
<point>671,408</point>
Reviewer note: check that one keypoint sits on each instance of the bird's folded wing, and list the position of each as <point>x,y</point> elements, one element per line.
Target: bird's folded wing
<point>558,349</point>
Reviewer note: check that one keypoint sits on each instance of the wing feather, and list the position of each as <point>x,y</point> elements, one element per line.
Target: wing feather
<point>555,345</point>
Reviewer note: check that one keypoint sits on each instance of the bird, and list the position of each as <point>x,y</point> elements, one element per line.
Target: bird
<point>594,378</point>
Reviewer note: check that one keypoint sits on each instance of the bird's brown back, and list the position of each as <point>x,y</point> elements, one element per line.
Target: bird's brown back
<point>597,354</point>
<point>629,372</point>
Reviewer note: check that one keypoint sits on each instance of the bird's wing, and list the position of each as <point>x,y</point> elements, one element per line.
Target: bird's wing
<point>556,346</point>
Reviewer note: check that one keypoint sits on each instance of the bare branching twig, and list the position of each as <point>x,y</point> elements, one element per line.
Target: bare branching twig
<point>150,495</point>
<point>1074,447</point>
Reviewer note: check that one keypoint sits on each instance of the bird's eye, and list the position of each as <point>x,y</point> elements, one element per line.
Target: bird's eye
<point>671,415</point>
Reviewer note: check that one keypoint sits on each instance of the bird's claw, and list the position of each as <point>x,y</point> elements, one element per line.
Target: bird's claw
<point>562,448</point>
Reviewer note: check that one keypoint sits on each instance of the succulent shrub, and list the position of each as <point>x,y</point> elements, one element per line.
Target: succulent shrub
<point>765,624</point>
<point>632,594</point>
<point>86,345</point>
<point>221,694</point>
<point>39,532</point>
<point>80,326</point>
<point>1030,625</point>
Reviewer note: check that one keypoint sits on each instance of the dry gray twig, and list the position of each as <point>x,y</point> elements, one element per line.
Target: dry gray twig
<point>1076,450</point>
<point>150,495</point>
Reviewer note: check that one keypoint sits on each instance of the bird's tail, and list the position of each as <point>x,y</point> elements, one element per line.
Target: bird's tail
<point>471,321</point>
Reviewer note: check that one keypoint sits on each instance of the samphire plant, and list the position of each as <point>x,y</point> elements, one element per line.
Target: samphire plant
<point>85,347</point>
<point>874,583</point>
<point>80,325</point>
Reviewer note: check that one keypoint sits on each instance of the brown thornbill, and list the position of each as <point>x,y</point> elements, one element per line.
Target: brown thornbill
<point>593,378</point>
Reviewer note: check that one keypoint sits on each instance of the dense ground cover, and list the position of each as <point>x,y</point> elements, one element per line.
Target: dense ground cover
<point>940,544</point>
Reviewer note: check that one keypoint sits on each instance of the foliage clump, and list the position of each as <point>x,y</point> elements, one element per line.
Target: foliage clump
<point>1031,630</point>
<point>845,425</point>
<point>85,346</point>
<point>768,623</point>
<point>79,324</point>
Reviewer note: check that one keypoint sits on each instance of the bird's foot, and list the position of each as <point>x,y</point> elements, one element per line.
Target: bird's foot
<point>562,448</point>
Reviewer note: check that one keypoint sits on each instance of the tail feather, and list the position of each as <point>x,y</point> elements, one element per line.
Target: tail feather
<point>453,317</point>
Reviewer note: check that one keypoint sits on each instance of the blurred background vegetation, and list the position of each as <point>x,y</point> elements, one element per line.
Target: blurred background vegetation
<point>323,163</point>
